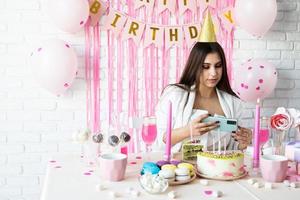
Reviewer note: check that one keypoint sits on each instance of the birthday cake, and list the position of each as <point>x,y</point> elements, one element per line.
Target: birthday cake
<point>221,165</point>
<point>292,151</point>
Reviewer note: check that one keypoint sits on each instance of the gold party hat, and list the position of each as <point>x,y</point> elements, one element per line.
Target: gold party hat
<point>207,33</point>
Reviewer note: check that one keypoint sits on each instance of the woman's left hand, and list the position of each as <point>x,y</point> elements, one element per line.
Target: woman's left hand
<point>243,136</point>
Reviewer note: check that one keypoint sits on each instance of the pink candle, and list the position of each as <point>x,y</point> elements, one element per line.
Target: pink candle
<point>256,136</point>
<point>169,131</point>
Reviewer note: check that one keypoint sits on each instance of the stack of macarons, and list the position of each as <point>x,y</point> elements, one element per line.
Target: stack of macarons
<point>181,172</point>
<point>171,171</point>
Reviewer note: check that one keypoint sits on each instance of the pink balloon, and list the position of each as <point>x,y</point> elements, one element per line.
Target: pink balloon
<point>68,15</point>
<point>255,79</point>
<point>54,65</point>
<point>255,16</point>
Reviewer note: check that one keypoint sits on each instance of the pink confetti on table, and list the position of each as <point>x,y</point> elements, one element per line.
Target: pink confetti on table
<point>66,85</point>
<point>87,174</point>
<point>132,163</point>
<point>68,46</point>
<point>52,161</point>
<point>40,49</point>
<point>139,157</point>
<point>208,192</point>
<point>91,170</point>
<point>57,167</point>
<point>257,88</point>
<point>81,22</point>
<point>260,80</point>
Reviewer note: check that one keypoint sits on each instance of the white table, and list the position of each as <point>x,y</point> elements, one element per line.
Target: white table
<point>66,179</point>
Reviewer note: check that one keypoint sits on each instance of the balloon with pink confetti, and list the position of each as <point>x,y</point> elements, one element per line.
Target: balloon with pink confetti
<point>54,65</point>
<point>255,79</point>
<point>68,15</point>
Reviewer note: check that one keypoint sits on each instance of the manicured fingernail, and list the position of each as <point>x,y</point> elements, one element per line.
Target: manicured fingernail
<point>217,121</point>
<point>233,131</point>
<point>235,140</point>
<point>209,114</point>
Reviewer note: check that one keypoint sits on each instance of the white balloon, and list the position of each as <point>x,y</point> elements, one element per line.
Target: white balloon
<point>68,15</point>
<point>255,16</point>
<point>54,65</point>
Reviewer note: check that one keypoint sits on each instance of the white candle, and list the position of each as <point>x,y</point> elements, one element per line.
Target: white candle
<point>225,145</point>
<point>191,132</point>
<point>219,141</point>
<point>213,140</point>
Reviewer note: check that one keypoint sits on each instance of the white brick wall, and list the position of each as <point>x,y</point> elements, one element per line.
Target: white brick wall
<point>34,124</point>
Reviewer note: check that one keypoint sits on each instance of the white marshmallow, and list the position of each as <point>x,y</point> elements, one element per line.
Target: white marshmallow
<point>204,182</point>
<point>129,190</point>
<point>257,185</point>
<point>268,185</point>
<point>252,181</point>
<point>172,195</point>
<point>293,185</point>
<point>286,183</point>
<point>113,194</point>
<point>217,193</point>
<point>100,187</point>
<point>135,193</point>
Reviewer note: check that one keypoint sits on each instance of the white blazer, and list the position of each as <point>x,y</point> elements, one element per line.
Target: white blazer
<point>182,107</point>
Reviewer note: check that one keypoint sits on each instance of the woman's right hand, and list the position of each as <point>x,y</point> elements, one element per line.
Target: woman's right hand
<point>197,127</point>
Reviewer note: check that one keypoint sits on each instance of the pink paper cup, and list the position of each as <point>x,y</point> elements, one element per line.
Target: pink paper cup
<point>273,167</point>
<point>113,166</point>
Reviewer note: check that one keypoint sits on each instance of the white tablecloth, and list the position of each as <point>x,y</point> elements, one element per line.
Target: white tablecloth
<point>70,178</point>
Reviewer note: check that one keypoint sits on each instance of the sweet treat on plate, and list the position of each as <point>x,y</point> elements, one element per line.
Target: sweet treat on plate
<point>221,165</point>
<point>160,163</point>
<point>169,166</point>
<point>190,150</point>
<point>182,174</point>
<point>175,162</point>
<point>167,174</point>
<point>150,168</point>
<point>188,166</point>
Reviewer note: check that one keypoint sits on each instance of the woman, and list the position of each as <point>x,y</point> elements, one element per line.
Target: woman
<point>203,89</point>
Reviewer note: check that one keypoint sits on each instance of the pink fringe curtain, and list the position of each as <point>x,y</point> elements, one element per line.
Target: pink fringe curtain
<point>140,78</point>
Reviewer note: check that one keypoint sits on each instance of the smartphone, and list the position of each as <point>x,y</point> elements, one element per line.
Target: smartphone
<point>226,125</point>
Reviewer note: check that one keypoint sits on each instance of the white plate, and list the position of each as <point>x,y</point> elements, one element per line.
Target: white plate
<point>221,178</point>
<point>183,182</point>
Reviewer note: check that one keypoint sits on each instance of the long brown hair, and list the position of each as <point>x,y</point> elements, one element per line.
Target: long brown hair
<point>193,67</point>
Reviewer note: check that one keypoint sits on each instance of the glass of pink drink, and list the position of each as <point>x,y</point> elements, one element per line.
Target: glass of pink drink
<point>149,132</point>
